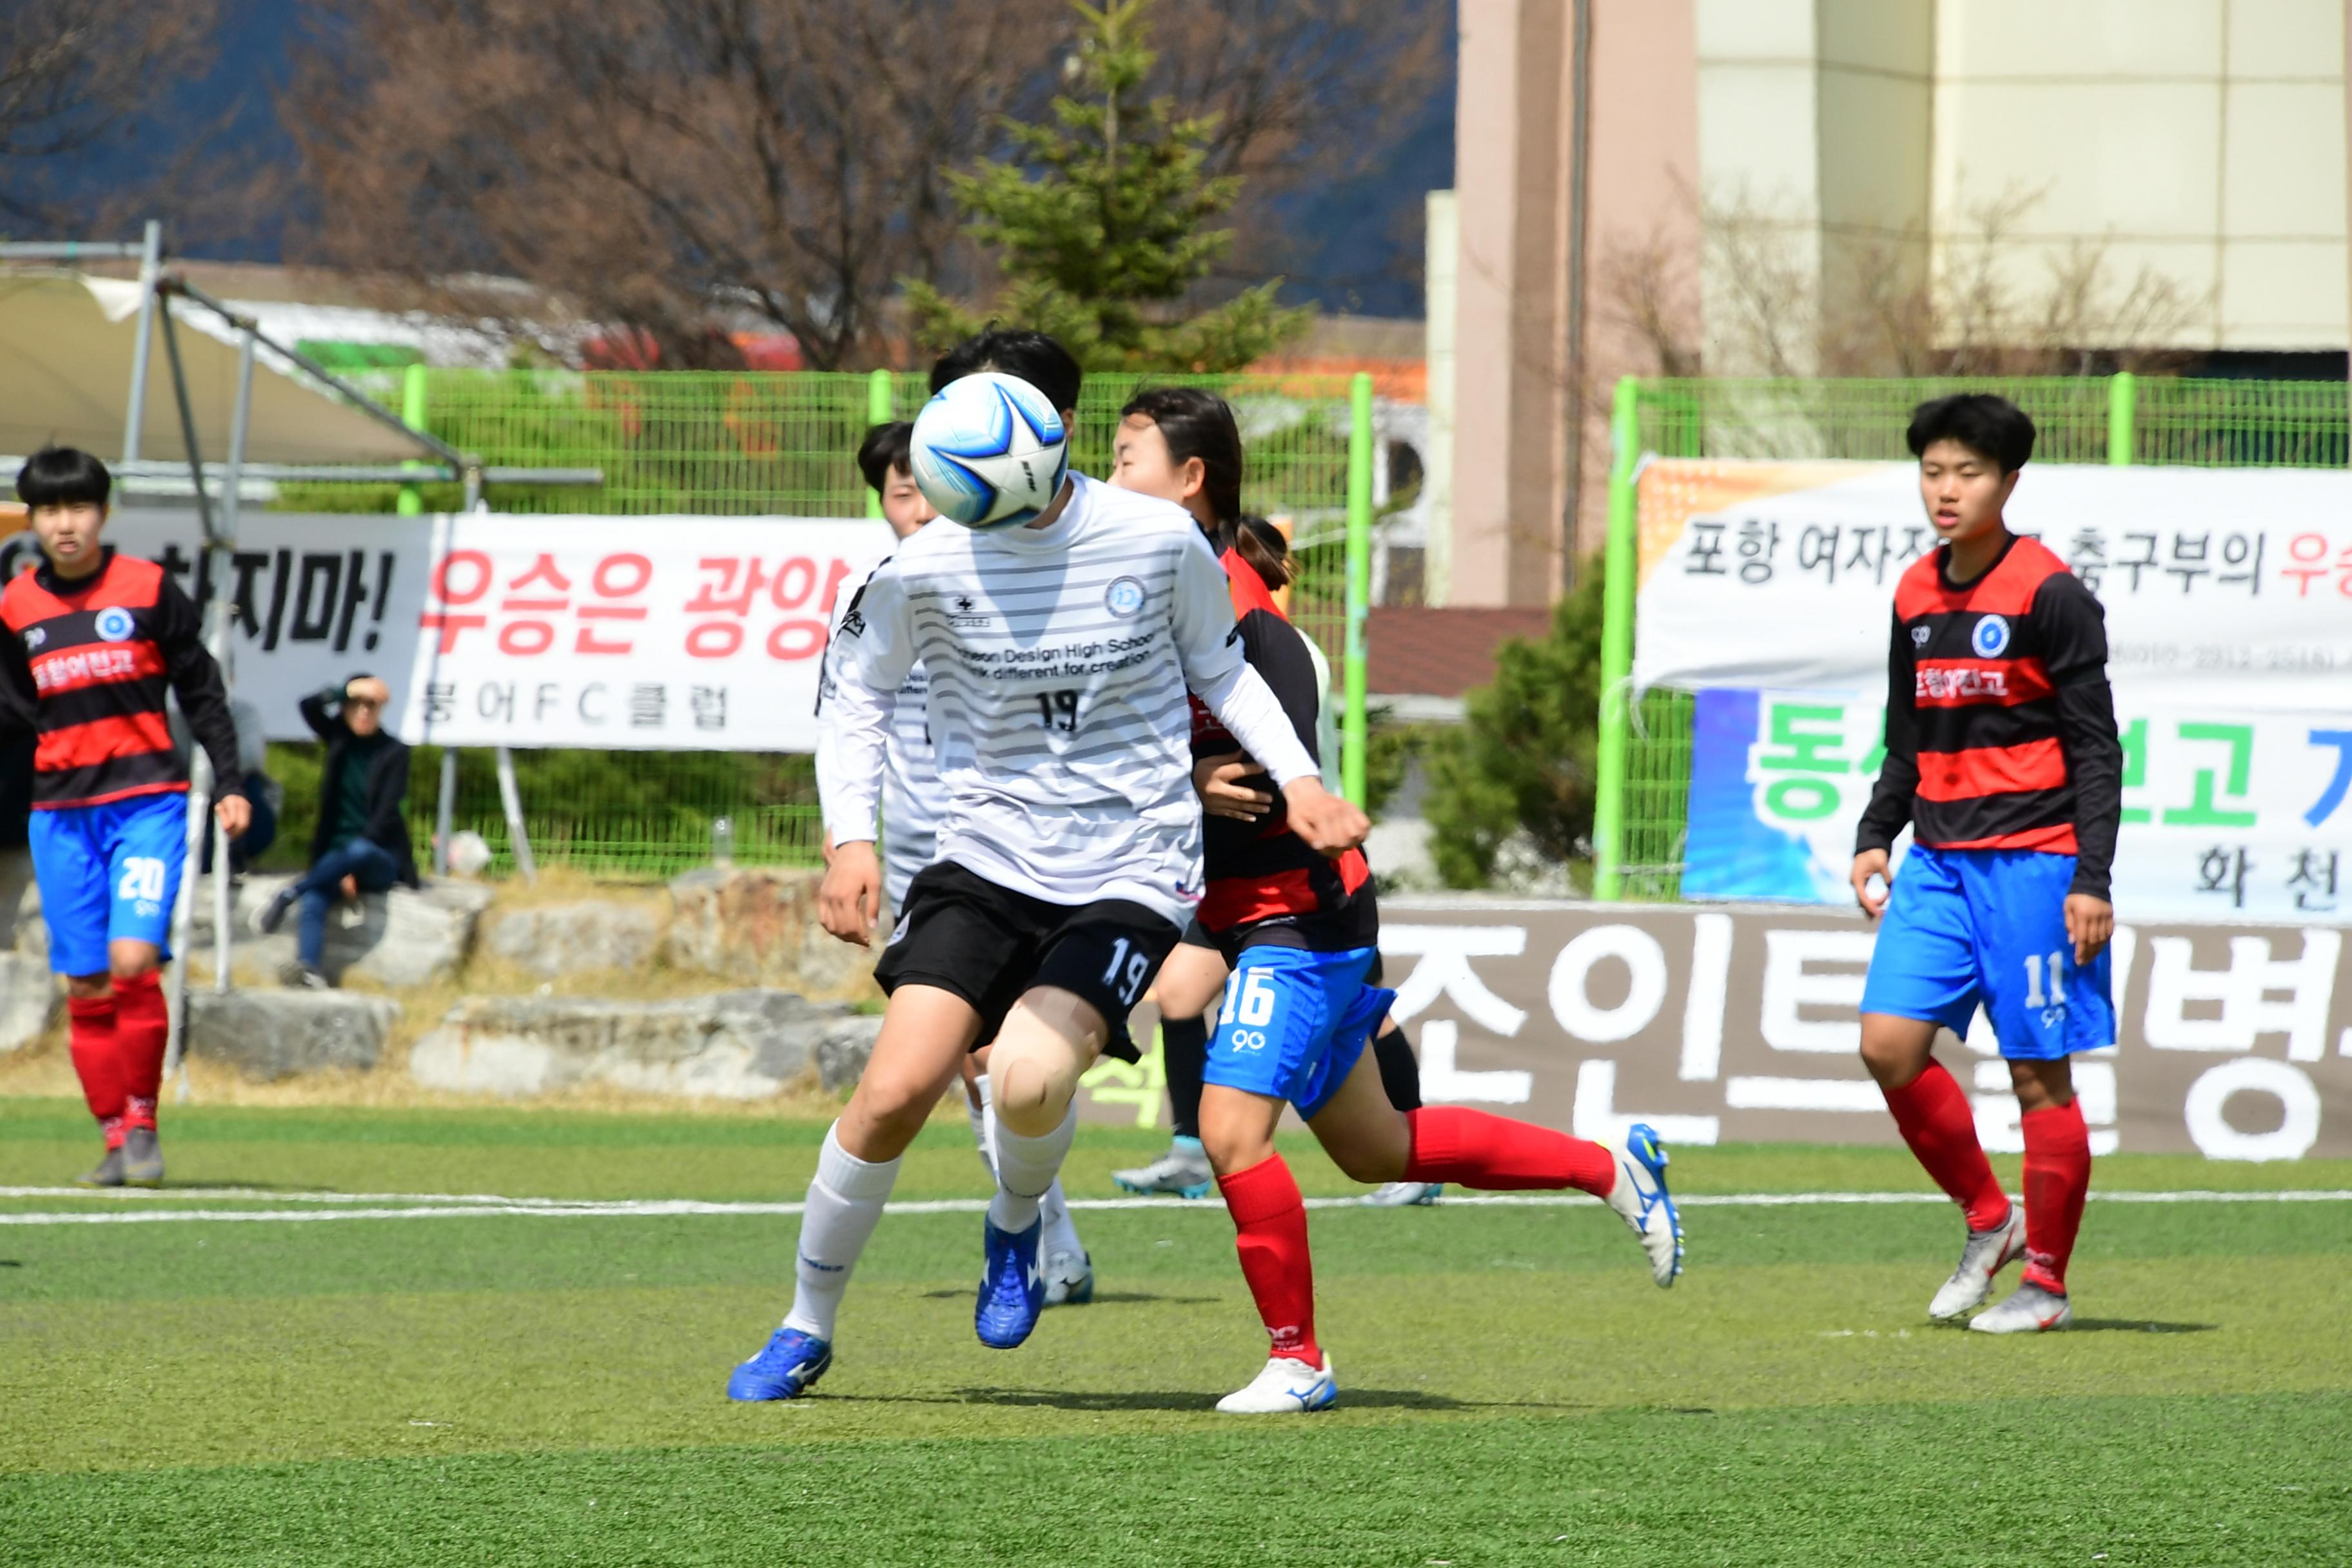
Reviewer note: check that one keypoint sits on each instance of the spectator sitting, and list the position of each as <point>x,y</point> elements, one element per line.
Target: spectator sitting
<point>362,843</point>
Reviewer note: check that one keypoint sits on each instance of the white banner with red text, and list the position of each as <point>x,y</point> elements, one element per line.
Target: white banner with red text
<point>499,630</point>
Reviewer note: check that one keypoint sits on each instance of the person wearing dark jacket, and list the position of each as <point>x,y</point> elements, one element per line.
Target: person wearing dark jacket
<point>362,843</point>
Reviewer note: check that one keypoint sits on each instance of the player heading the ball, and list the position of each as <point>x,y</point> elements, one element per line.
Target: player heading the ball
<point>2002,753</point>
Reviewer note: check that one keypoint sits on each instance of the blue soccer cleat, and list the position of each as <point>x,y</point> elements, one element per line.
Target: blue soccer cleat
<point>1011,1286</point>
<point>787,1366</point>
<point>1641,1200</point>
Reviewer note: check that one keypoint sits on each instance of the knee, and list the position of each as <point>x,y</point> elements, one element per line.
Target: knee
<point>893,1108</point>
<point>1232,1149</point>
<point>1031,1090</point>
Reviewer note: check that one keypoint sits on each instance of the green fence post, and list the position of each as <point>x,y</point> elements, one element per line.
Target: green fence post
<point>1620,567</point>
<point>412,414</point>
<point>879,410</point>
<point>1353,733</point>
<point>2123,418</point>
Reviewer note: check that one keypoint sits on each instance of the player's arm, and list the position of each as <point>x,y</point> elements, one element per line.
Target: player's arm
<point>1229,785</point>
<point>1898,779</point>
<point>203,699</point>
<point>866,662</point>
<point>2073,633</point>
<point>20,698</point>
<point>1209,647</point>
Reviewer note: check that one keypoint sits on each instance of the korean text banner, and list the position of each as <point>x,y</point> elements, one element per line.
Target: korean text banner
<point>2230,813</point>
<point>1741,1024</point>
<point>655,633</point>
<point>2228,588</point>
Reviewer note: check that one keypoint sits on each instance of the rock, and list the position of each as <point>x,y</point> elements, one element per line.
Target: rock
<point>549,939</point>
<point>758,926</point>
<point>272,1034</point>
<point>405,937</point>
<point>30,999</point>
<point>733,1045</point>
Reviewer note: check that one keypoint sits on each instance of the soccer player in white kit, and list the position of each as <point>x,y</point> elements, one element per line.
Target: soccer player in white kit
<point>1061,655</point>
<point>910,814</point>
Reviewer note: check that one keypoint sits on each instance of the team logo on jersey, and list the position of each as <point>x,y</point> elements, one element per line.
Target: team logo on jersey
<point>1990,639</point>
<point>967,613</point>
<point>1124,598</point>
<point>114,623</point>
<point>852,624</point>
<point>1919,635</point>
<point>36,637</point>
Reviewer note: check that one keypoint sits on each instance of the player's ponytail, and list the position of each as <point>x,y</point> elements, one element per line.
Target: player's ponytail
<point>1198,423</point>
<point>1261,544</point>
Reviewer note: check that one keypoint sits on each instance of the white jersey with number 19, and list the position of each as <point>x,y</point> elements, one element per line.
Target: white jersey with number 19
<point>1059,658</point>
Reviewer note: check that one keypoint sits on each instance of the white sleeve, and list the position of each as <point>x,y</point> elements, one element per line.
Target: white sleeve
<point>1209,647</point>
<point>865,664</point>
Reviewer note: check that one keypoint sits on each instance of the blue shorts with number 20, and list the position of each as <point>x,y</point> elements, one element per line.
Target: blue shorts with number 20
<point>1296,1022</point>
<point>109,872</point>
<point>1964,926</point>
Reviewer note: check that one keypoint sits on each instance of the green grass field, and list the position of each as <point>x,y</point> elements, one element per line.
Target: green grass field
<point>500,1388</point>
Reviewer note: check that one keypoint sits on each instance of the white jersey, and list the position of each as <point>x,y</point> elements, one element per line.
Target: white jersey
<point>1059,661</point>
<point>910,779</point>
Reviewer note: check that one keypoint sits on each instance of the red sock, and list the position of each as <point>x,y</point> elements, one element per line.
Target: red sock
<point>97,1056</point>
<point>1452,1145</point>
<point>144,1028</point>
<point>2057,1179</point>
<point>1935,1121</point>
<point>1270,1223</point>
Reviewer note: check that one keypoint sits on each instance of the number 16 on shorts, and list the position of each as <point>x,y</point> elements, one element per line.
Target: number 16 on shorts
<point>1249,1008</point>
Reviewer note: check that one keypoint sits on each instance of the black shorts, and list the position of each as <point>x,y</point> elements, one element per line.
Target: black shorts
<point>1197,935</point>
<point>988,944</point>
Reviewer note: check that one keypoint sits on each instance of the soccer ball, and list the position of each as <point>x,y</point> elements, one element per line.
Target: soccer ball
<point>988,451</point>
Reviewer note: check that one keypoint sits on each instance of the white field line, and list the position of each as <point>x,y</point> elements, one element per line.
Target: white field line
<point>434,1205</point>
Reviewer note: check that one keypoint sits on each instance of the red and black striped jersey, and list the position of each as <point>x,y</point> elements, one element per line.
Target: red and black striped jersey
<point>2000,728</point>
<point>1261,873</point>
<point>86,666</point>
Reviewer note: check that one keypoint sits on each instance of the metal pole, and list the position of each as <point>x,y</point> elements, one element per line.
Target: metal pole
<point>187,424</point>
<point>2123,418</point>
<point>510,798</point>
<point>412,414</point>
<point>1352,734</point>
<point>1619,565</point>
<point>150,261</point>
<point>1580,171</point>
<point>879,408</point>
<point>472,478</point>
<point>445,812</point>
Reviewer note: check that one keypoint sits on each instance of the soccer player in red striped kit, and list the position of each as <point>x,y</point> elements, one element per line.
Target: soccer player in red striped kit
<point>2001,752</point>
<point>93,642</point>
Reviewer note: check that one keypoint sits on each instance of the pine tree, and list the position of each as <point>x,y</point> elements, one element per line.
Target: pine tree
<point>1100,218</point>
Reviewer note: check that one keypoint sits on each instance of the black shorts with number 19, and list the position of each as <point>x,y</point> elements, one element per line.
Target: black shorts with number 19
<point>989,944</point>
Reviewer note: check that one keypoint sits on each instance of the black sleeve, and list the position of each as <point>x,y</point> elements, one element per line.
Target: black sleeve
<point>1898,776</point>
<point>203,699</point>
<point>1277,650</point>
<point>2071,628</point>
<point>20,698</point>
<point>315,711</point>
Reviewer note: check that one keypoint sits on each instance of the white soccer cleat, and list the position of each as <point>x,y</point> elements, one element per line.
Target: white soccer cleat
<point>2031,1310</point>
<point>1641,1200</point>
<point>1404,1194</point>
<point>1070,1279</point>
<point>1287,1386</point>
<point>1987,1254</point>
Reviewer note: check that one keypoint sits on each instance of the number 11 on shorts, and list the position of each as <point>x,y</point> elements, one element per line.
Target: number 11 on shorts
<point>2034,997</point>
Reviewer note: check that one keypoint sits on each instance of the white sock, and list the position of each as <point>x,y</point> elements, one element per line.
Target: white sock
<point>1025,1170</point>
<point>844,1204</point>
<point>1061,1235</point>
<point>983,1117</point>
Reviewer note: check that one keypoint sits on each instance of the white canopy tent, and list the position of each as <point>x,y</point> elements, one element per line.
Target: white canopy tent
<point>68,342</point>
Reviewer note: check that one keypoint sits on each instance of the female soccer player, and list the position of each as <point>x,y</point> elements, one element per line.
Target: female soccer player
<point>1181,444</point>
<point>2002,753</point>
<point>1069,852</point>
<point>1299,931</point>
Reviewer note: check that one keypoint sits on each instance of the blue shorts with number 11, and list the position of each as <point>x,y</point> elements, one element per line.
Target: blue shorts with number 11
<point>1965,926</point>
<point>1296,1022</point>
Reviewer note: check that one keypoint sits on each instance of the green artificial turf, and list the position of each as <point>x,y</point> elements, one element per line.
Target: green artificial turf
<point>502,1389</point>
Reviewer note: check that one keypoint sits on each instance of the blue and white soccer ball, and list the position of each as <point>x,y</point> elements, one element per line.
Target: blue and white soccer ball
<point>988,451</point>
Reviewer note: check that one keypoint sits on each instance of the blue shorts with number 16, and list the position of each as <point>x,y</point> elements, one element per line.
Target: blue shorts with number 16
<point>1296,1022</point>
<point>1965,926</point>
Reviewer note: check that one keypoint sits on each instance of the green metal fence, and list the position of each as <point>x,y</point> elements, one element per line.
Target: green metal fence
<point>767,443</point>
<point>1642,811</point>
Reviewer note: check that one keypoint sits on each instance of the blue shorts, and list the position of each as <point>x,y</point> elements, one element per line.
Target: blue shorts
<point>1965,926</point>
<point>109,873</point>
<point>1294,1023</point>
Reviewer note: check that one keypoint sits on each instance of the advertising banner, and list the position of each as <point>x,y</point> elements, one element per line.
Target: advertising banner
<point>2227,595</point>
<point>1740,1024</point>
<point>654,633</point>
